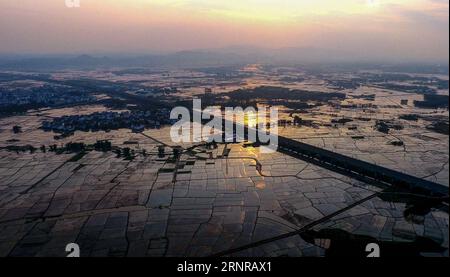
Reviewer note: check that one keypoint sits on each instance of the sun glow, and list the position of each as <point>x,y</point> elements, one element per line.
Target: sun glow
<point>275,10</point>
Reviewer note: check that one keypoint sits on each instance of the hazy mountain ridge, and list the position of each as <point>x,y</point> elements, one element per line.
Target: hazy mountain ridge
<point>234,55</point>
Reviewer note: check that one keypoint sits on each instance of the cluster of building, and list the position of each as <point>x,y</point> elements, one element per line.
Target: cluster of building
<point>158,90</point>
<point>107,121</point>
<point>297,121</point>
<point>46,95</point>
<point>385,126</point>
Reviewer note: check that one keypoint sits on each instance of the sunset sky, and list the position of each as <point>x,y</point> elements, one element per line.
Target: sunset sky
<point>409,28</point>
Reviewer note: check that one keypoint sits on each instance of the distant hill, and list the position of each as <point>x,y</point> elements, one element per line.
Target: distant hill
<point>180,59</point>
<point>233,55</point>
